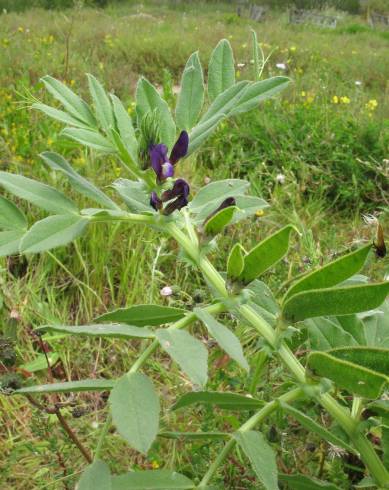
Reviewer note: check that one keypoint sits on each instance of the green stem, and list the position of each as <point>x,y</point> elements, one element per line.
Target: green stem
<point>182,323</point>
<point>357,407</point>
<point>259,364</point>
<point>339,413</point>
<point>252,422</point>
<point>103,433</point>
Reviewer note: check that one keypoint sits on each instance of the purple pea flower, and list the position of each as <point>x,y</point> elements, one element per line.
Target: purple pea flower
<point>163,165</point>
<point>155,201</point>
<point>176,198</point>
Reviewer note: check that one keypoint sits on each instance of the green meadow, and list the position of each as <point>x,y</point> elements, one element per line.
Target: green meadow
<point>318,153</point>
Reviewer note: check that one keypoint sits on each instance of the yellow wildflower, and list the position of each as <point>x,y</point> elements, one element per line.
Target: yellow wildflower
<point>372,105</point>
<point>335,99</point>
<point>293,49</point>
<point>20,29</point>
<point>303,93</point>
<point>345,100</point>
<point>259,213</point>
<point>155,465</point>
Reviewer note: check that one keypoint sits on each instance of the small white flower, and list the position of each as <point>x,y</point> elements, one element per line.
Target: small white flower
<point>241,65</point>
<point>95,424</point>
<point>280,179</point>
<point>166,291</point>
<point>370,219</point>
<point>336,451</point>
<point>281,66</point>
<point>358,83</point>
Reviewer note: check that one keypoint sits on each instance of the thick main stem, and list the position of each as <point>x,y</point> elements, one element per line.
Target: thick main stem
<point>341,414</point>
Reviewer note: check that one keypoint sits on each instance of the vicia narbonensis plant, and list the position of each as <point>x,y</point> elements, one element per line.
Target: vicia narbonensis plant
<point>346,366</point>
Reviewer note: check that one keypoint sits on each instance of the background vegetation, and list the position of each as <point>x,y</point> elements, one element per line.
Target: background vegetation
<point>319,154</point>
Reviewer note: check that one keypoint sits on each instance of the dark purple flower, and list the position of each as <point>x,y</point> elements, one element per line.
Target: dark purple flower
<point>155,201</point>
<point>180,188</point>
<point>161,163</point>
<point>180,149</point>
<point>177,196</point>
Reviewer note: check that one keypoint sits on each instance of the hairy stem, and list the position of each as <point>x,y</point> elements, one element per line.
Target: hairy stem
<point>182,323</point>
<point>252,422</point>
<point>338,412</point>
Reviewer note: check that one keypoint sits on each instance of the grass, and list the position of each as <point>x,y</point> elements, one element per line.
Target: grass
<point>325,136</point>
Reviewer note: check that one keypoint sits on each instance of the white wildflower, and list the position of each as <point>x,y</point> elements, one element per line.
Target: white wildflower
<point>280,179</point>
<point>166,291</point>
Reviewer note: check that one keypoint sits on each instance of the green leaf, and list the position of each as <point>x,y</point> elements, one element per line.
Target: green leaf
<point>380,407</point>
<point>71,102</point>
<point>11,218</point>
<point>40,362</point>
<point>263,301</point>
<point>313,426</point>
<point>227,401</point>
<point>235,262</point>
<point>135,410</point>
<point>189,353</point>
<point>221,69</point>
<point>152,480</point>
<point>201,132</point>
<point>53,231</point>
<point>266,254</point>
<point>302,482</point>
<point>227,340</point>
<point>95,477</point>
<point>83,186</point>
<point>385,442</point>
<point>219,221</point>
<point>191,96</point>
<point>90,138</point>
<point>357,379</point>
<point>143,315</point>
<point>373,358</point>
<point>225,102</point>
<point>355,327</point>
<point>70,386</point>
<point>261,456</point>
<point>212,195</point>
<point>247,206</point>
<point>325,334</point>
<point>257,92</point>
<point>134,194</point>
<point>331,274</point>
<point>115,330</point>
<point>103,107</point>
<point>10,242</point>
<point>149,100</point>
<point>59,115</point>
<point>219,109</point>
<point>41,195</point>
<point>194,436</point>
<point>376,326</point>
<point>334,301</point>
<point>125,128</point>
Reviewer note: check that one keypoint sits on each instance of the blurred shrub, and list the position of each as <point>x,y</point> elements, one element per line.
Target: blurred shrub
<point>20,5</point>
